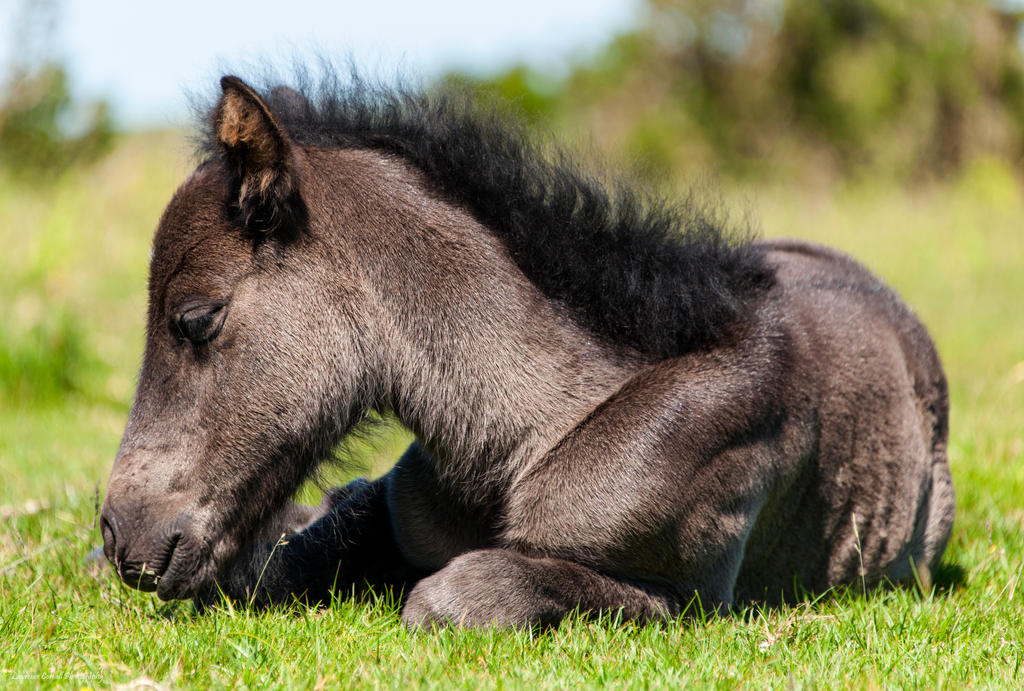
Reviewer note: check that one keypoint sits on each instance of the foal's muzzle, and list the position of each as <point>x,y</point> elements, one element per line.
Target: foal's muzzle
<point>149,559</point>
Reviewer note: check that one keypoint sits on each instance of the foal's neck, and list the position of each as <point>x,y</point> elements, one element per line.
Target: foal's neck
<point>485,369</point>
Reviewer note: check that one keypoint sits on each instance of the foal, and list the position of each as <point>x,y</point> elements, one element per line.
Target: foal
<point>617,405</point>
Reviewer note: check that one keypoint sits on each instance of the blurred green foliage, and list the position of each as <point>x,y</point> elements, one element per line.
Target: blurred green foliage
<point>37,118</point>
<point>45,354</point>
<point>908,90</point>
<point>44,130</point>
<point>44,362</point>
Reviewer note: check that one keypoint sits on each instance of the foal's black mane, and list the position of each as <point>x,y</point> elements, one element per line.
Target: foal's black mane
<point>660,278</point>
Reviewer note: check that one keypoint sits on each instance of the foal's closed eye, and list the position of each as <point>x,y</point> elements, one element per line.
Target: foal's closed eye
<point>198,323</point>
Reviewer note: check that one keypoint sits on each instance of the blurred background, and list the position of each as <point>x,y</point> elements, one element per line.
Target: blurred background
<point>892,130</point>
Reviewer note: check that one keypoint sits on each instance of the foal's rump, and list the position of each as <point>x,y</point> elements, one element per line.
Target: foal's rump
<point>874,498</point>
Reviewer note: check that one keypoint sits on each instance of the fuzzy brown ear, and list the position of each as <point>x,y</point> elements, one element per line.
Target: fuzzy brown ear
<point>262,156</point>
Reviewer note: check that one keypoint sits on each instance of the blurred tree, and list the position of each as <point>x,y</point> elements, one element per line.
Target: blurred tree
<point>913,90</point>
<point>42,130</point>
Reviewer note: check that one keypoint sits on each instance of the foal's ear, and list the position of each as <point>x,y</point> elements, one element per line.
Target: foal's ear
<point>262,156</point>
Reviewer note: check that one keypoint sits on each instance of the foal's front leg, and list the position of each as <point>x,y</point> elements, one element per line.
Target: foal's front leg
<point>349,545</point>
<point>501,587</point>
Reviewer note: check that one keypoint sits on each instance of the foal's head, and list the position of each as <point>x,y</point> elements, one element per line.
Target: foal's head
<point>258,353</point>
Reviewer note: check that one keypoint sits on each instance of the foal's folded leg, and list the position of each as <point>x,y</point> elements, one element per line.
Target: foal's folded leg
<point>501,587</point>
<point>350,546</point>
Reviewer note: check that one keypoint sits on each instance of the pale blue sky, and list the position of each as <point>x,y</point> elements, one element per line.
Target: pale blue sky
<point>143,56</point>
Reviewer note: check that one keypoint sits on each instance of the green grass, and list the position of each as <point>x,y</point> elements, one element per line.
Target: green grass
<point>72,282</point>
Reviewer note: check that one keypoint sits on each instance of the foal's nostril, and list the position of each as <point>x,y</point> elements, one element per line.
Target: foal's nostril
<point>108,527</point>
